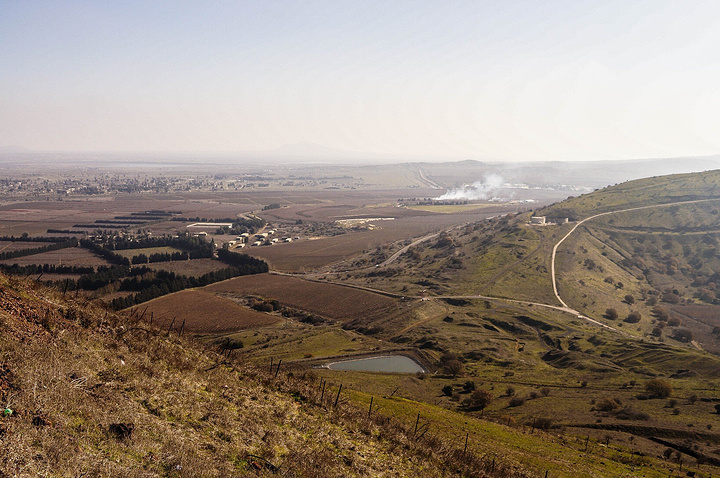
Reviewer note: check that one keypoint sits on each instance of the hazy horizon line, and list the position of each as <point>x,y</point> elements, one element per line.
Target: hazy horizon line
<point>325,153</point>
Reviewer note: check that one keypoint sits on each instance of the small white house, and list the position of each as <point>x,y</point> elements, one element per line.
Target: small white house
<point>537,220</point>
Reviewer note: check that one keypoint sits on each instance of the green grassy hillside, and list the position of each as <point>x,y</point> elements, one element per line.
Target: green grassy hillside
<point>638,193</point>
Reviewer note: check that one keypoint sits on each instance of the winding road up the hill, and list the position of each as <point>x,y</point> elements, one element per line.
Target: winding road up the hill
<point>579,223</point>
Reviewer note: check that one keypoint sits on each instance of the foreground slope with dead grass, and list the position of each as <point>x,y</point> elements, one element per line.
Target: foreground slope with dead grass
<point>93,393</point>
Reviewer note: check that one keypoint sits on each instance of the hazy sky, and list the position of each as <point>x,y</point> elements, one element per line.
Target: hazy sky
<point>493,80</point>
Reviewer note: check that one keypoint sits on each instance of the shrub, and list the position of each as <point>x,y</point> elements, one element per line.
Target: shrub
<point>448,356</point>
<point>660,313</point>
<point>683,335</point>
<point>262,306</point>
<point>542,423</point>
<point>658,388</point>
<point>630,414</point>
<point>453,367</point>
<point>516,401</point>
<point>629,299</point>
<point>674,321</point>
<point>228,343</point>
<point>611,314</point>
<point>447,390</point>
<point>606,404</point>
<point>544,391</point>
<point>633,318</point>
<point>478,400</point>
<point>469,386</point>
<point>510,391</point>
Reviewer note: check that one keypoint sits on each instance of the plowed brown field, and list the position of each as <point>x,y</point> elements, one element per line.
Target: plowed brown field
<point>203,312</point>
<point>328,300</point>
<point>193,267</point>
<point>71,256</point>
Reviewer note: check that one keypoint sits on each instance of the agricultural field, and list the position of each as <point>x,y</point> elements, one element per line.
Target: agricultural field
<point>343,304</point>
<point>203,312</point>
<point>130,253</point>
<point>9,246</point>
<point>190,268</point>
<point>73,256</point>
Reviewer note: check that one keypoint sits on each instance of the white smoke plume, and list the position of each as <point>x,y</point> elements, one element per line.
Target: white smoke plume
<point>477,190</point>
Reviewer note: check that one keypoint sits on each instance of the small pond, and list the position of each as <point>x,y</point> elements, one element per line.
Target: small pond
<point>387,363</point>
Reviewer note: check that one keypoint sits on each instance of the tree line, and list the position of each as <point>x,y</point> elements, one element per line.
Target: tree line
<point>161,283</point>
<point>26,238</point>
<point>105,253</point>
<point>38,250</point>
<point>45,269</point>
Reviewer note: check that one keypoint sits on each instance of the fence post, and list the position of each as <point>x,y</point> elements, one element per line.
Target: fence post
<point>338,396</point>
<point>171,325</point>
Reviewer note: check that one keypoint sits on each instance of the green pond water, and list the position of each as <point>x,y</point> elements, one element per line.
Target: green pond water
<point>387,363</point>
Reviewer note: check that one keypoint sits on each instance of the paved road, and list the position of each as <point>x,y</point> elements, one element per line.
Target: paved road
<point>428,181</point>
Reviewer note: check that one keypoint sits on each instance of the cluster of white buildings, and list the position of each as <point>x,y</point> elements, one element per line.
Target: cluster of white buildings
<point>543,221</point>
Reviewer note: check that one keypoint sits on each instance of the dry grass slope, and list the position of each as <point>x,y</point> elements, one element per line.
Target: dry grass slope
<point>98,394</point>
